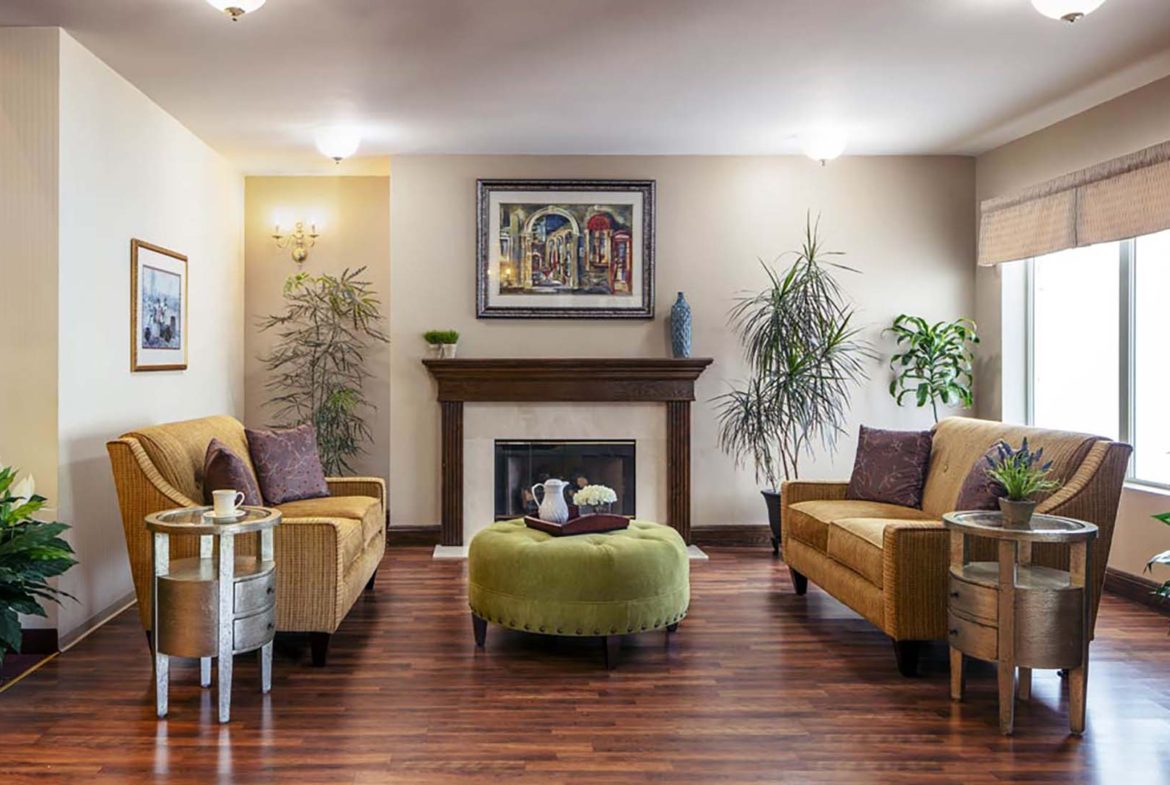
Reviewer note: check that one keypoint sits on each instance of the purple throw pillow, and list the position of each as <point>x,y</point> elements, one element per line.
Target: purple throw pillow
<point>223,470</point>
<point>287,464</point>
<point>980,492</point>
<point>890,467</point>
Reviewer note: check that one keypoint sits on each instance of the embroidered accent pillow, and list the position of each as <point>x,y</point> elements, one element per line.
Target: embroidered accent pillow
<point>223,470</point>
<point>287,464</point>
<point>980,492</point>
<point>890,467</point>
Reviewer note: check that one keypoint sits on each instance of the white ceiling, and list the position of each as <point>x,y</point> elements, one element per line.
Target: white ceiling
<point>613,76</point>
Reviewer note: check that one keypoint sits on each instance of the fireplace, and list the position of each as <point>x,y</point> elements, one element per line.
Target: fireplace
<point>521,464</point>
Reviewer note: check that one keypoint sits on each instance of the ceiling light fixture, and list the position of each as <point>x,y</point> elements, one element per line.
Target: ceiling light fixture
<point>236,8</point>
<point>338,142</point>
<point>1067,10</point>
<point>823,145</point>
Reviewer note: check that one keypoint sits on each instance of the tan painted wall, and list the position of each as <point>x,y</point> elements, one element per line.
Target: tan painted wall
<point>907,223</point>
<point>353,217</point>
<point>1131,122</point>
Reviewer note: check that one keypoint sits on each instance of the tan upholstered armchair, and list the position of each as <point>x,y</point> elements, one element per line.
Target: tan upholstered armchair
<point>889,563</point>
<point>327,549</point>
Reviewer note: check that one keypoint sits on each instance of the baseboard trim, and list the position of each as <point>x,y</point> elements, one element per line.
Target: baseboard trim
<point>412,536</point>
<point>740,536</point>
<point>1136,588</point>
<point>74,636</point>
<point>38,640</point>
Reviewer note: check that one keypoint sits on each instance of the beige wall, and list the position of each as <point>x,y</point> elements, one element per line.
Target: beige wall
<point>907,223</point>
<point>1126,124</point>
<point>129,169</point>
<point>353,217</point>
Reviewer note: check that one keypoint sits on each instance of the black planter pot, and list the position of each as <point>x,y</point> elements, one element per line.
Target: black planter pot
<point>772,500</point>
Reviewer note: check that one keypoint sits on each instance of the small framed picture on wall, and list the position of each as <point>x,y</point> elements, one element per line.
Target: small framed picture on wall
<point>158,308</point>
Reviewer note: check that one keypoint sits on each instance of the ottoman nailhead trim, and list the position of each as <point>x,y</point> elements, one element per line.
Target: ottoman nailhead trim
<point>542,628</point>
<point>559,630</point>
<point>578,630</point>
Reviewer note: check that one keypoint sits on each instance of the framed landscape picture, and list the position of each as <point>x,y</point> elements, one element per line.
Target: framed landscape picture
<point>565,249</point>
<point>158,308</point>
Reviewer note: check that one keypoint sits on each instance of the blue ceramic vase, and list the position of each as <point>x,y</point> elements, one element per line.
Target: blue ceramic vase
<point>680,327</point>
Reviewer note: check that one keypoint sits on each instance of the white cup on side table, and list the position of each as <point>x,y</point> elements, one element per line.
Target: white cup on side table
<point>226,503</point>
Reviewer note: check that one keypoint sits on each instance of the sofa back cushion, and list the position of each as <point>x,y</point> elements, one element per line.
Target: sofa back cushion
<point>959,442</point>
<point>178,449</point>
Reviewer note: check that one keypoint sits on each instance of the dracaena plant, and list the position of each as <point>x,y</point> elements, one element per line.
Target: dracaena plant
<point>31,552</point>
<point>805,355</point>
<point>1021,473</point>
<point>1161,558</point>
<point>935,362</point>
<point>318,365</point>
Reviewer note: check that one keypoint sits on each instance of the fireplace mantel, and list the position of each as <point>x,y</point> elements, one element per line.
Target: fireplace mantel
<point>560,380</point>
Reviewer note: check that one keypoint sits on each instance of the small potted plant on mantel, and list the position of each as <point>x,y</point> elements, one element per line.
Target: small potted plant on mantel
<point>443,342</point>
<point>1021,474</point>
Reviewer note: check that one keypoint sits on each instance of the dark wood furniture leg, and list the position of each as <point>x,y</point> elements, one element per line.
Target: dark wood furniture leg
<point>370,582</point>
<point>672,627</point>
<point>906,653</point>
<point>613,644</point>
<point>319,648</point>
<point>479,627</point>
<point>799,582</point>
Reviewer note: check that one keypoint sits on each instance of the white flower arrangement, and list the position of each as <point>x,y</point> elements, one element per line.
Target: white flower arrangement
<point>593,495</point>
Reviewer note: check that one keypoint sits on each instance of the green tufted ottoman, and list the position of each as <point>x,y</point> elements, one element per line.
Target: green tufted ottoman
<point>600,585</point>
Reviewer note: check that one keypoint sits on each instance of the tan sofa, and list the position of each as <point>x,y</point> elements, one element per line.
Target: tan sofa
<point>889,563</point>
<point>327,549</point>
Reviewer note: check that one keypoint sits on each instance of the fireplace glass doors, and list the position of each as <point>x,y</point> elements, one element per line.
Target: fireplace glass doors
<point>522,464</point>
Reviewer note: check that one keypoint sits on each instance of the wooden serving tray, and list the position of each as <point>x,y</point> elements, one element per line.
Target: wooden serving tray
<point>584,524</point>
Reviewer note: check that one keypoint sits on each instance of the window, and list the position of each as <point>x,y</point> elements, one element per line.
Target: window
<point>1098,336</point>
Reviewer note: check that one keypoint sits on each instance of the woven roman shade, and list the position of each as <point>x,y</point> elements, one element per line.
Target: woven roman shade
<point>1125,197</point>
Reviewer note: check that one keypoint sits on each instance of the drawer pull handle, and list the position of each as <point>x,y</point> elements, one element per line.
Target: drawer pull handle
<point>953,632</point>
<point>955,594</point>
<point>270,625</point>
<point>270,590</point>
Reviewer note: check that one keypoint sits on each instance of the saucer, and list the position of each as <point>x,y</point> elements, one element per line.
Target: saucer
<point>211,516</point>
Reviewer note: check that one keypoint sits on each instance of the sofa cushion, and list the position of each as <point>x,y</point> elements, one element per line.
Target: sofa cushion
<point>857,543</point>
<point>890,466</point>
<point>178,449</point>
<point>959,442</point>
<point>809,521</point>
<point>365,509</point>
<point>223,469</point>
<point>287,464</point>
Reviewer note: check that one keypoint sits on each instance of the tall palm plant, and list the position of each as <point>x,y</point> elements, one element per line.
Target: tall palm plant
<point>806,356</point>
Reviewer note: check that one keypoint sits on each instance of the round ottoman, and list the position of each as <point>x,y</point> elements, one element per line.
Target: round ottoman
<point>603,585</point>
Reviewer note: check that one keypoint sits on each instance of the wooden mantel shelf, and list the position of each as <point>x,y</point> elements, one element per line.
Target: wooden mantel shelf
<point>559,380</point>
<point>598,380</point>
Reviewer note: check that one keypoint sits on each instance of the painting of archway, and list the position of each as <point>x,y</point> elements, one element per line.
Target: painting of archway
<point>566,249</point>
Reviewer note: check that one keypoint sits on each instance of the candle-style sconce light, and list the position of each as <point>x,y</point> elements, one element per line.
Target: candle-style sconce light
<point>298,240</point>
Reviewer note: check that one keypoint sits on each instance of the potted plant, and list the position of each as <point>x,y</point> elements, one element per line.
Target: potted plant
<point>594,499</point>
<point>805,358</point>
<point>443,342</point>
<point>31,552</point>
<point>317,367</point>
<point>936,362</point>
<point>1021,474</point>
<point>1162,558</point>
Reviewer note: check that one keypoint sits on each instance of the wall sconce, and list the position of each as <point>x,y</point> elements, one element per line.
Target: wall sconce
<point>299,240</point>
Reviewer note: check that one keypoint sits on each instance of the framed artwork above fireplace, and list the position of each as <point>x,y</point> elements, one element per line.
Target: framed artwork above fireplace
<point>565,249</point>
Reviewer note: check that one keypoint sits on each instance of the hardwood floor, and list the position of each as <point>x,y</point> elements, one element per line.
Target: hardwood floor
<point>757,686</point>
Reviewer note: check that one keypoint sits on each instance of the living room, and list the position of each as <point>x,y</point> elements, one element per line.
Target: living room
<point>629,392</point>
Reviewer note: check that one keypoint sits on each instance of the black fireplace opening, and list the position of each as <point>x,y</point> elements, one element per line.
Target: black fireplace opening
<point>522,464</point>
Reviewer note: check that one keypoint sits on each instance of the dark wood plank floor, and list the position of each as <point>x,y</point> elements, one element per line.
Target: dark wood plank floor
<point>759,686</point>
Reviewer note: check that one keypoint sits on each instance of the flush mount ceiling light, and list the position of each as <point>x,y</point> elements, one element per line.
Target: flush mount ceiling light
<point>236,8</point>
<point>1067,10</point>
<point>823,144</point>
<point>338,142</point>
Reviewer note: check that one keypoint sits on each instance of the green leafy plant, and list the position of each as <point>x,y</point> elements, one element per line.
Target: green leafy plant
<point>317,367</point>
<point>439,337</point>
<point>1161,558</point>
<point>31,552</point>
<point>805,355</point>
<point>936,362</point>
<point>1020,473</point>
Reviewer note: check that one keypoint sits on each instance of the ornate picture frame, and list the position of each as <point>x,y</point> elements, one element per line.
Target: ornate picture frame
<point>565,249</point>
<point>158,308</point>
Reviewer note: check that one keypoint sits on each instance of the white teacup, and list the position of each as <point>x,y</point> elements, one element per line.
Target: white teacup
<point>226,504</point>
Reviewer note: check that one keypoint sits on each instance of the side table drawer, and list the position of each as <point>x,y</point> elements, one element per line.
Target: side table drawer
<point>255,593</point>
<point>971,637</point>
<point>971,599</point>
<point>252,632</point>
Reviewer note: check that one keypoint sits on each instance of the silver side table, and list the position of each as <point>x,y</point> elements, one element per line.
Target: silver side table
<point>214,605</point>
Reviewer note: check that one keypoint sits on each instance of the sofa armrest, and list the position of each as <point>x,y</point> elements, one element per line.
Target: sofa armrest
<point>796,491</point>
<point>915,559</point>
<point>358,486</point>
<point>308,575</point>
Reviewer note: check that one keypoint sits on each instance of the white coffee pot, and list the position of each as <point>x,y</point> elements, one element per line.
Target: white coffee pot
<point>552,505</point>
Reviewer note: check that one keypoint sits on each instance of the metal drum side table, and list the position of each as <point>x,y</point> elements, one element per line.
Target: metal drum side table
<point>214,605</point>
<point>1018,614</point>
